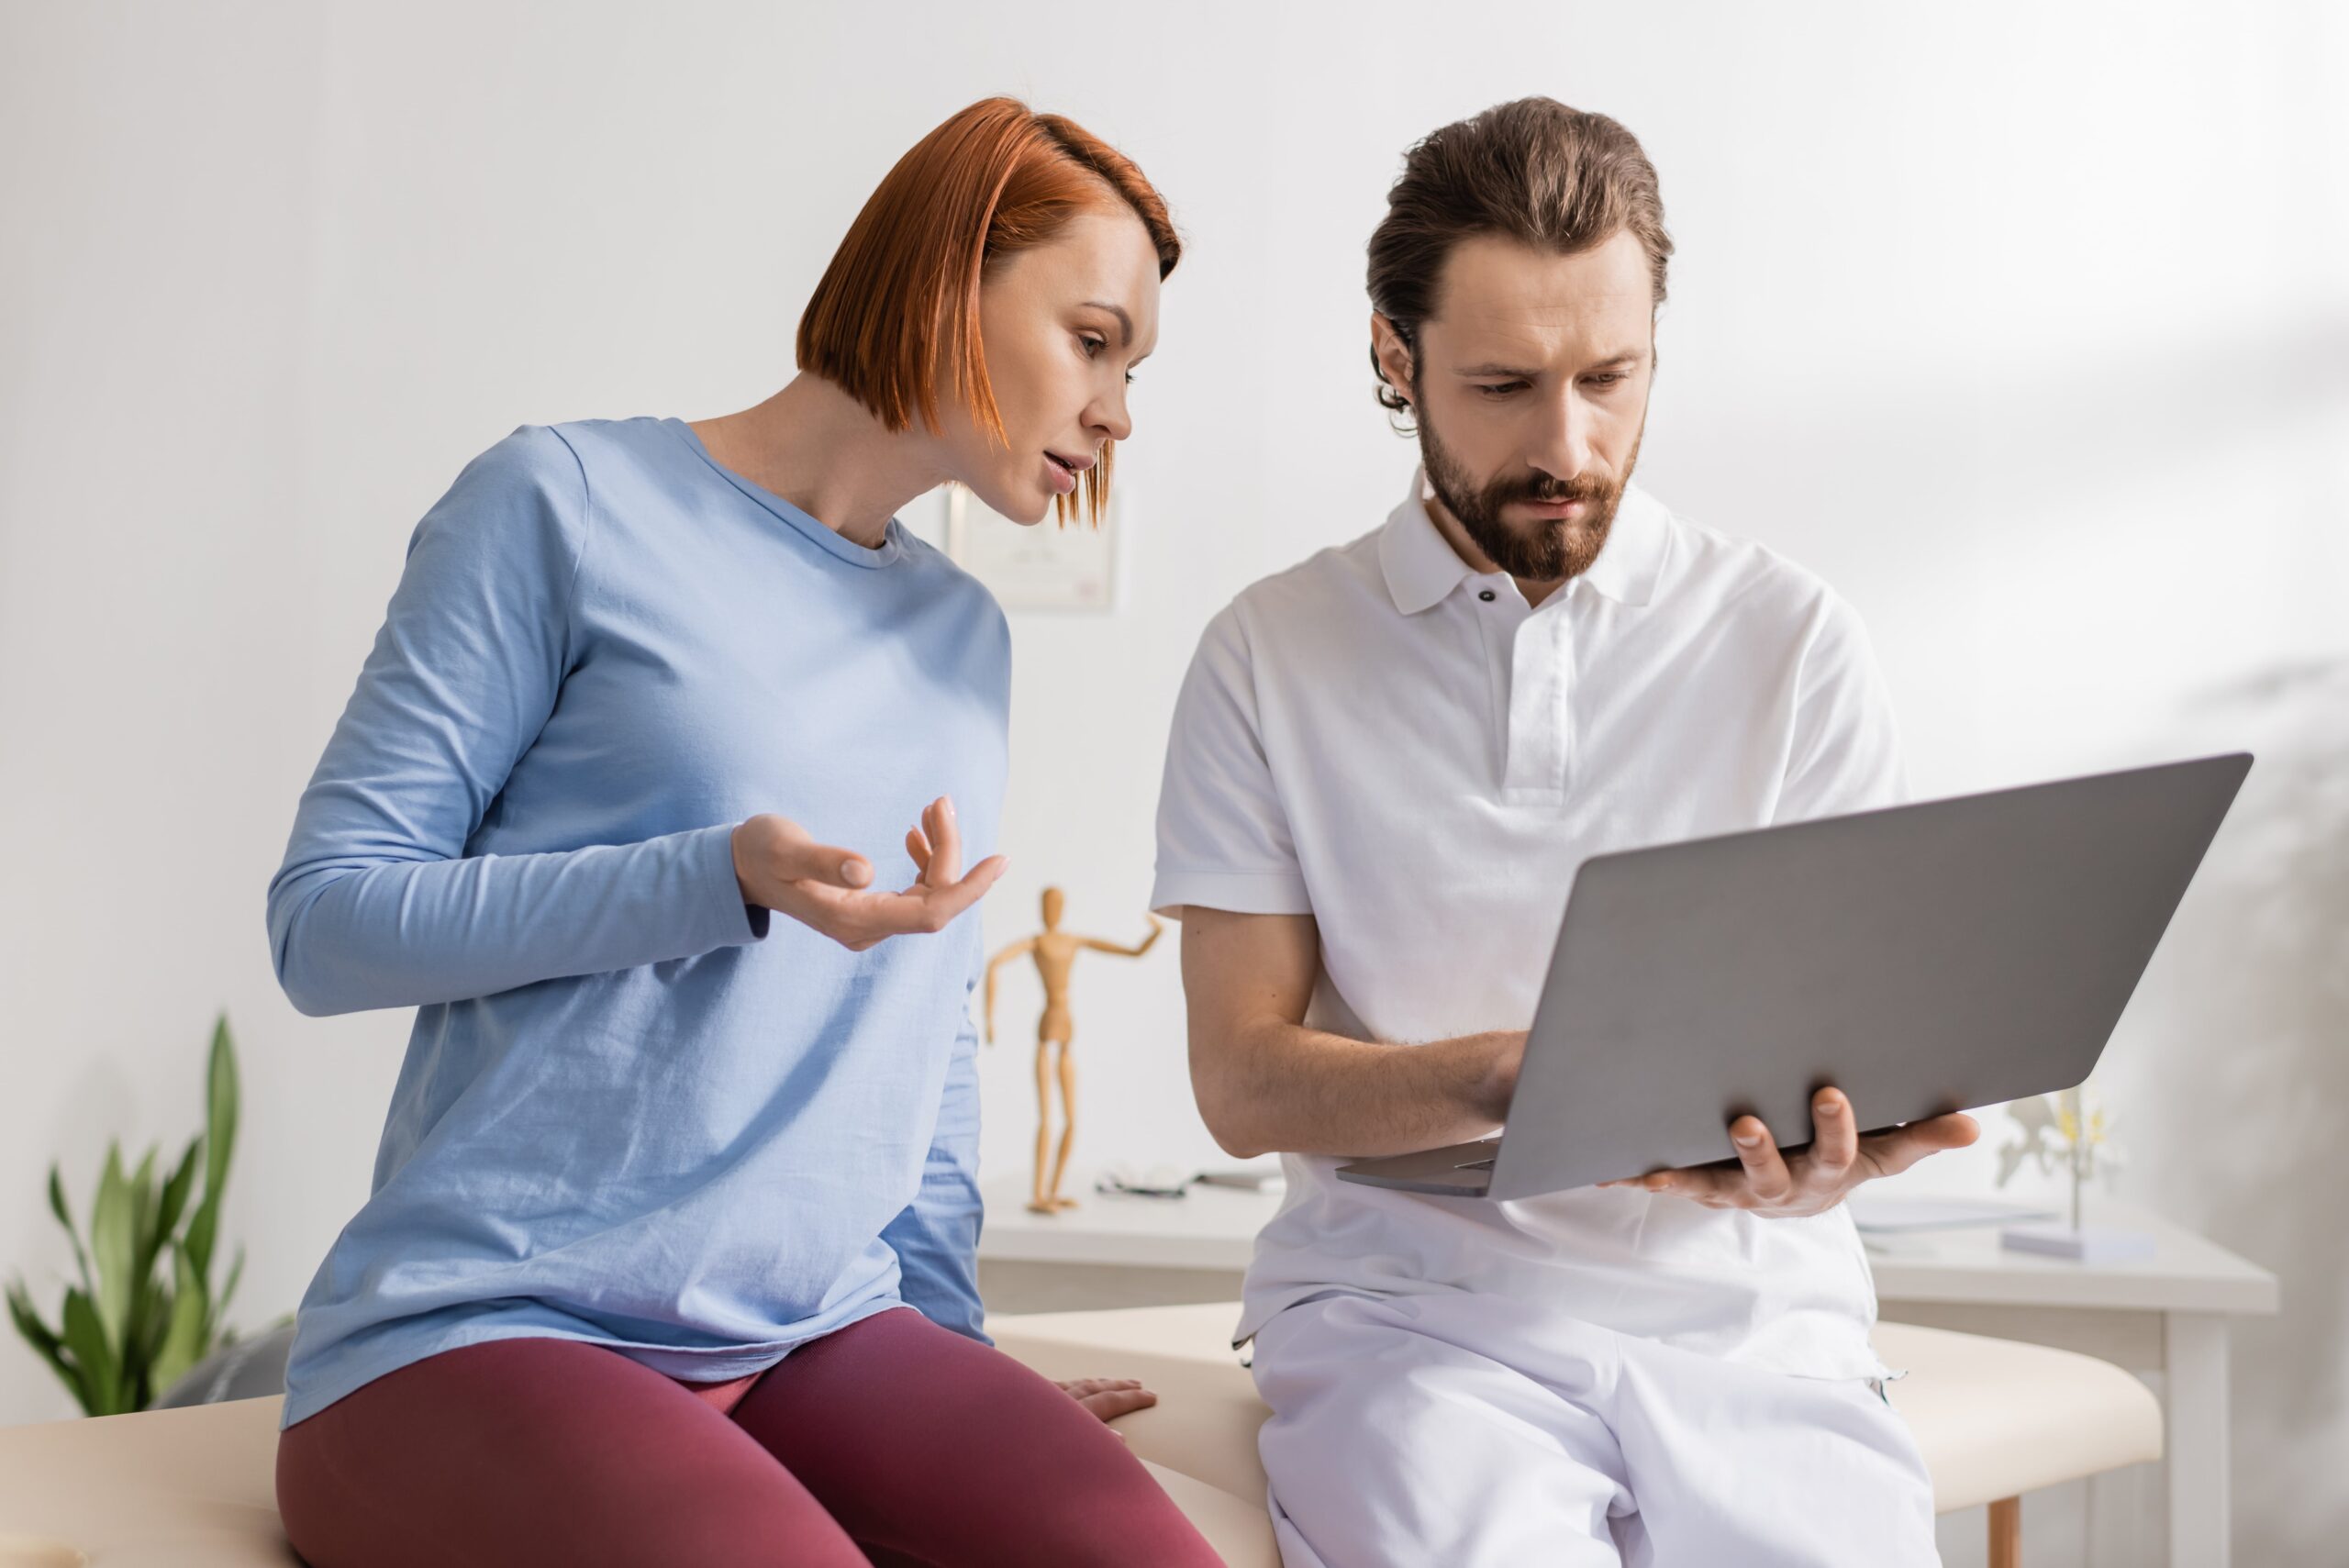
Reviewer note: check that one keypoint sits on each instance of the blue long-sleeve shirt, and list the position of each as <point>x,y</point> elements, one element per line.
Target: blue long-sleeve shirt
<point>635,1110</point>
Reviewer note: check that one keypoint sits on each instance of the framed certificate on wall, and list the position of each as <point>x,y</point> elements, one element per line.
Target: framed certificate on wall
<point>1051,566</point>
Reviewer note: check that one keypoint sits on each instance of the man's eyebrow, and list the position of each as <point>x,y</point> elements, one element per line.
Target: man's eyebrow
<point>1125,322</point>
<point>1520,372</point>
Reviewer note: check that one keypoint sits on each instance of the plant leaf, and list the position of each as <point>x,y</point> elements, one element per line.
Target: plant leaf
<point>111,1242</point>
<point>220,1307</point>
<point>183,1344</point>
<point>198,1242</point>
<point>56,1199</point>
<point>165,1309</point>
<point>159,1323</point>
<point>145,1202</point>
<point>142,1195</point>
<point>176,1193</point>
<point>41,1336</point>
<point>219,1142</point>
<point>57,1206</point>
<point>220,1110</point>
<point>29,1318</point>
<point>146,1239</point>
<point>86,1337</point>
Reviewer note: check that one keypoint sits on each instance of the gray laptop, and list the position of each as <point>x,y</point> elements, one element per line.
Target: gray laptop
<point>1923,959</point>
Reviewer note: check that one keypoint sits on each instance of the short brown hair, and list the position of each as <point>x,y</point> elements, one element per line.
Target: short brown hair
<point>898,308</point>
<point>1534,171</point>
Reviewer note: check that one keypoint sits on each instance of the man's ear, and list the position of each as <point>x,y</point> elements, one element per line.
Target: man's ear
<point>1390,355</point>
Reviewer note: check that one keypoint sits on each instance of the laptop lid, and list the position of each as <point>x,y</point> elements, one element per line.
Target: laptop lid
<point>1922,958</point>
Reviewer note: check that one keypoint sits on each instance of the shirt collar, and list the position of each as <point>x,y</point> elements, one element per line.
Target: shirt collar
<point>1630,563</point>
<point>1423,569</point>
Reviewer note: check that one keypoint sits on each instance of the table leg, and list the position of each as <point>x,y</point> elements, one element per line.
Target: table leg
<point>2194,1371</point>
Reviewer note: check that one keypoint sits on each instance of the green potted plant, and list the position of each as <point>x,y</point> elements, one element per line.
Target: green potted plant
<point>145,1310</point>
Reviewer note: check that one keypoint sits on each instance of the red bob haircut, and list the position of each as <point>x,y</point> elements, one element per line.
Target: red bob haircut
<point>898,308</point>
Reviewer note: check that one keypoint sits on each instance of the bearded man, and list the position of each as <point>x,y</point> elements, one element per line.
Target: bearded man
<point>1386,764</point>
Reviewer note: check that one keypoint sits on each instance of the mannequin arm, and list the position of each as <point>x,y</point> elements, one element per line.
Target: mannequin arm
<point>1097,945</point>
<point>986,1006</point>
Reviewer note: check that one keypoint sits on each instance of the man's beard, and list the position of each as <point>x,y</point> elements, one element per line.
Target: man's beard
<point>1551,550</point>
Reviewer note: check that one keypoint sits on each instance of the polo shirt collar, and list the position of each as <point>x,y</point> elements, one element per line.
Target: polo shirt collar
<point>1423,569</point>
<point>1630,563</point>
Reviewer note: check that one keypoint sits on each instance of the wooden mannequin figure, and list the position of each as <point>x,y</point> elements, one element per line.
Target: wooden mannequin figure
<point>1055,953</point>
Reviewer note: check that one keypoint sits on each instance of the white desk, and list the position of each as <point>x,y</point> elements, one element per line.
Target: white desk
<point>2165,1314</point>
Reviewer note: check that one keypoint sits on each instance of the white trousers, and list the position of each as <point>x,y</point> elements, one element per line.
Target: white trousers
<point>1474,1431</point>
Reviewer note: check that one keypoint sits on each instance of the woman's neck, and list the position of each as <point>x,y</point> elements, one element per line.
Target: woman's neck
<point>824,452</point>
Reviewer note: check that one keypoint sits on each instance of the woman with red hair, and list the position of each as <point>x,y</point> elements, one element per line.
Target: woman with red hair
<point>670,1253</point>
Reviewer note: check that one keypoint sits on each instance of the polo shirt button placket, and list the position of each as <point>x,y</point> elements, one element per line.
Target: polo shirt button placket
<point>1540,656</point>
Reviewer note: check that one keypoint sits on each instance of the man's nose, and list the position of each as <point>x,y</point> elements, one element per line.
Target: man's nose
<point>1562,442</point>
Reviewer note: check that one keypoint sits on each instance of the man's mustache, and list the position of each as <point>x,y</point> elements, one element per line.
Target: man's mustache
<point>1544,487</point>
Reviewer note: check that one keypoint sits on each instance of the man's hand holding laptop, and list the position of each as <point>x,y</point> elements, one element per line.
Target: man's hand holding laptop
<point>1815,1180</point>
<point>1765,1180</point>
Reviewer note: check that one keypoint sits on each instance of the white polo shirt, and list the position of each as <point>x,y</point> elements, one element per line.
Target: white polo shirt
<point>1402,748</point>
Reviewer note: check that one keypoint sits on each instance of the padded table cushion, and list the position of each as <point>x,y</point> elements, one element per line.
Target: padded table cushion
<point>187,1488</point>
<point>1995,1418</point>
<point>193,1488</point>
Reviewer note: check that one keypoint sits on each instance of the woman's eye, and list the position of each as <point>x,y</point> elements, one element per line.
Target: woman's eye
<point>1092,345</point>
<point>1130,378</point>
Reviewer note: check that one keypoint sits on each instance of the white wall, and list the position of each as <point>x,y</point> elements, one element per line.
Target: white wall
<point>2028,327</point>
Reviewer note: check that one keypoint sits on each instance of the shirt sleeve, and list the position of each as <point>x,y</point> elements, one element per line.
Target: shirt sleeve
<point>1845,754</point>
<point>376,905</point>
<point>1223,839</point>
<point>936,1236</point>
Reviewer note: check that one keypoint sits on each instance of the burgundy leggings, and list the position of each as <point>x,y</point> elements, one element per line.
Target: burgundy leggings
<point>893,1441</point>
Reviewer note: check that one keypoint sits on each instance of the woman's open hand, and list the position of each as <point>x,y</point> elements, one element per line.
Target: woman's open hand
<point>781,867</point>
<point>1108,1397</point>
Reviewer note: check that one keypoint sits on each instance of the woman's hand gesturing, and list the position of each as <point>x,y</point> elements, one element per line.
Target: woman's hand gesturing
<point>781,868</point>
